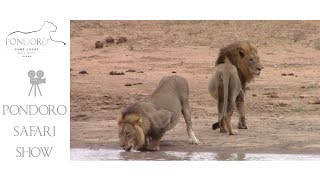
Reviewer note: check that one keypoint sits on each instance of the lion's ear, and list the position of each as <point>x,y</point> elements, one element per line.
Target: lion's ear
<point>241,52</point>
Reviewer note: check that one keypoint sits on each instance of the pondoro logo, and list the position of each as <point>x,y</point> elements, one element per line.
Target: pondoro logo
<point>26,41</point>
<point>27,44</point>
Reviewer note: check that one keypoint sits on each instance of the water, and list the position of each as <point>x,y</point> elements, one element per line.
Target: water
<point>114,154</point>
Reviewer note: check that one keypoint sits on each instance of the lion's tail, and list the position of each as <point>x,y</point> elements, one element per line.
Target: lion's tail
<point>215,126</point>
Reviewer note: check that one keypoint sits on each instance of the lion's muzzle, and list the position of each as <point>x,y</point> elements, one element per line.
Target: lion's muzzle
<point>126,148</point>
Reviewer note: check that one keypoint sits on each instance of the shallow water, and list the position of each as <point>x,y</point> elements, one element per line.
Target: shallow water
<point>114,154</point>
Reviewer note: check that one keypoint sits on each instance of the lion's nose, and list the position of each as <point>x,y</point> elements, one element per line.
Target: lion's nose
<point>128,149</point>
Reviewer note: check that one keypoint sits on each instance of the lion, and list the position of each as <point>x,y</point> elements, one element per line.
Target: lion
<point>237,65</point>
<point>143,124</point>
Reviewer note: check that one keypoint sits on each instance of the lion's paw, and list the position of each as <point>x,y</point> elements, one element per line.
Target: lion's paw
<point>153,148</point>
<point>223,130</point>
<point>242,126</point>
<point>193,141</point>
<point>234,132</point>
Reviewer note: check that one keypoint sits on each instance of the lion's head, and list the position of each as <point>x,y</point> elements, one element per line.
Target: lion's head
<point>245,57</point>
<point>130,132</point>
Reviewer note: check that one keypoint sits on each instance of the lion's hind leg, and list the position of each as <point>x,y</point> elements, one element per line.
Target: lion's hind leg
<point>228,118</point>
<point>229,126</point>
<point>222,124</point>
<point>222,115</point>
<point>240,107</point>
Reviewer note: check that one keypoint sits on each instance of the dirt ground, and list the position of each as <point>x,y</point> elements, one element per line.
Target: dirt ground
<point>282,104</point>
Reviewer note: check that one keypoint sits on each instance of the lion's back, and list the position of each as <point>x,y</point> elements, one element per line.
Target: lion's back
<point>173,86</point>
<point>170,92</point>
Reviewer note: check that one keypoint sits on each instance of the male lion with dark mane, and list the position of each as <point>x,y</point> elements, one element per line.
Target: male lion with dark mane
<point>237,64</point>
<point>143,124</point>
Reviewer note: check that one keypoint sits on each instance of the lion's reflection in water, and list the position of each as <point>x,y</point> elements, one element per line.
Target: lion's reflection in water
<point>115,154</point>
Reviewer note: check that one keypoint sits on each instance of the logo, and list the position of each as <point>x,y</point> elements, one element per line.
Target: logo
<point>36,81</point>
<point>29,43</point>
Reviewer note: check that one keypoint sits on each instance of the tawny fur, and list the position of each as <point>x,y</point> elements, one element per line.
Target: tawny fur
<point>236,65</point>
<point>147,121</point>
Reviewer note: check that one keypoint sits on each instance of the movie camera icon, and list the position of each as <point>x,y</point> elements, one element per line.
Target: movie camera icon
<point>35,81</point>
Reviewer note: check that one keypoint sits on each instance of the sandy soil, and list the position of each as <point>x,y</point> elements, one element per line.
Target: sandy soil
<point>282,105</point>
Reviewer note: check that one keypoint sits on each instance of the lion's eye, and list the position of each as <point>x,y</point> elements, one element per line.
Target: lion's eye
<point>127,133</point>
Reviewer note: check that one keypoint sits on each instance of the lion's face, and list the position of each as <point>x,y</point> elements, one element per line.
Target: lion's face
<point>253,63</point>
<point>249,59</point>
<point>127,135</point>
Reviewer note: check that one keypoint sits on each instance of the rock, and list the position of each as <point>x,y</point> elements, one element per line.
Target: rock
<point>128,84</point>
<point>116,73</point>
<point>131,70</point>
<point>303,96</point>
<point>83,72</point>
<point>109,39</point>
<point>174,72</point>
<point>271,95</point>
<point>289,74</point>
<point>254,95</point>
<point>121,39</point>
<point>140,72</point>
<point>282,104</point>
<point>137,83</point>
<point>99,44</point>
<point>314,102</point>
<point>131,47</point>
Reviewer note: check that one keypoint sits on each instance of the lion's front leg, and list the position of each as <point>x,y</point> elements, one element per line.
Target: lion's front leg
<point>240,107</point>
<point>154,144</point>
<point>187,117</point>
<point>145,145</point>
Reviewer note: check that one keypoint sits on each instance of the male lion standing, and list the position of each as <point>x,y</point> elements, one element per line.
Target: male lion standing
<point>144,123</point>
<point>236,65</point>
